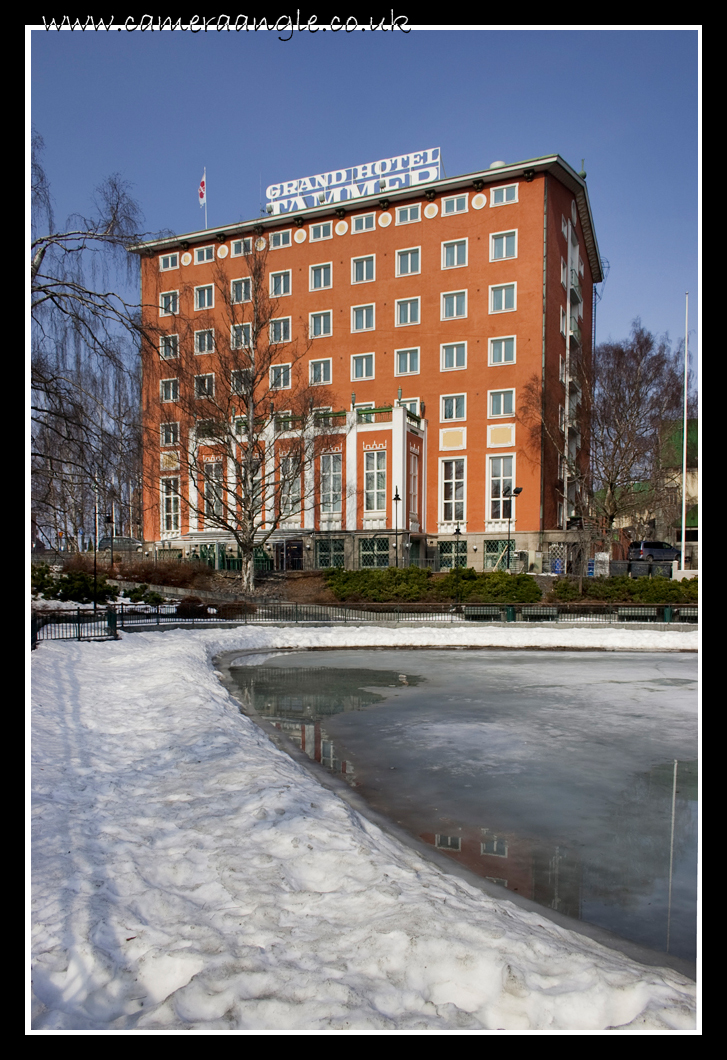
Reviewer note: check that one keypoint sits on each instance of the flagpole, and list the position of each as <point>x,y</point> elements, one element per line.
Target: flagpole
<point>205,198</point>
<point>684,432</point>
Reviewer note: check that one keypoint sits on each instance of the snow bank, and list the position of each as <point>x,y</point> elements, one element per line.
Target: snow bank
<point>187,874</point>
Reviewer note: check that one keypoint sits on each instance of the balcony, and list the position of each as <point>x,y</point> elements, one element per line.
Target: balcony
<point>576,295</point>
<point>382,415</point>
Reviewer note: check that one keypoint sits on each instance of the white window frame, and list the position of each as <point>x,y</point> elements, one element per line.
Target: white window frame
<point>491,414</point>
<point>503,235</point>
<point>442,354</point>
<point>454,418</point>
<point>453,501</point>
<point>453,294</point>
<point>246,283</point>
<point>198,341</point>
<point>237,380</point>
<point>174,389</point>
<point>367,228</point>
<point>408,350</point>
<point>455,243</point>
<point>204,254</point>
<point>366,305</point>
<point>408,250</point>
<point>168,312</point>
<point>245,247</point>
<point>489,517</point>
<point>407,404</point>
<point>320,382</point>
<point>243,330</point>
<point>503,188</point>
<point>174,424</point>
<point>331,500</point>
<point>413,483</point>
<point>282,241</point>
<point>409,220</point>
<point>374,456</point>
<point>455,198</point>
<point>282,373</point>
<point>173,345</point>
<point>271,278</point>
<point>326,286</point>
<point>501,287</point>
<point>490,351</point>
<point>407,323</point>
<point>362,257</point>
<point>564,273</point>
<point>168,268</point>
<point>280,320</point>
<point>358,357</point>
<point>169,513</point>
<point>563,321</point>
<point>320,313</point>
<point>207,393</point>
<point>320,225</point>
<point>197,292</point>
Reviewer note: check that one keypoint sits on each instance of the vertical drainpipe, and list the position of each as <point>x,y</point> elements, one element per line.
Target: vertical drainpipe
<point>542,366</point>
<point>566,407</point>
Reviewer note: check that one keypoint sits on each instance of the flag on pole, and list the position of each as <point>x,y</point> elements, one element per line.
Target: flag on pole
<point>202,193</point>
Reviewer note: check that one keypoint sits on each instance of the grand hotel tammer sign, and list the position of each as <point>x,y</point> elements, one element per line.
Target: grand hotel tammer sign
<point>342,185</point>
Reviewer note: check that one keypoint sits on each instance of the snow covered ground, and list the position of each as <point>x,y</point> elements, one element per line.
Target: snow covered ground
<point>188,874</point>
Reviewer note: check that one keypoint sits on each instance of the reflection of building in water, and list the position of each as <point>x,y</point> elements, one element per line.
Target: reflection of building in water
<point>312,739</point>
<point>312,691</point>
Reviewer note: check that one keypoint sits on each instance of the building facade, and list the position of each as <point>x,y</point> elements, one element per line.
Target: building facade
<point>441,332</point>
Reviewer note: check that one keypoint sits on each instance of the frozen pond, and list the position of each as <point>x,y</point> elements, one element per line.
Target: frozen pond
<point>569,777</point>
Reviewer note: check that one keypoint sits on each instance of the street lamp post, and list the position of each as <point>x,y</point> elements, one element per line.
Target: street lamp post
<point>515,493</point>
<point>397,498</point>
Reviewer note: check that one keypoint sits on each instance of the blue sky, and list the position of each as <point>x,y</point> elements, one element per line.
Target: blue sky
<point>160,107</point>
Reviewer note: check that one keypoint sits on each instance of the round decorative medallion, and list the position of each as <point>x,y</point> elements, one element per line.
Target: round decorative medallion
<point>260,243</point>
<point>431,210</point>
<point>478,201</point>
<point>384,220</point>
<point>300,235</point>
<point>186,259</point>
<point>222,252</point>
<point>341,228</point>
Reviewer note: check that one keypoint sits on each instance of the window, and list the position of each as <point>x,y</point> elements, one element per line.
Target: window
<point>375,482</point>
<point>169,347</point>
<point>365,222</point>
<point>241,246</point>
<point>454,255</point>
<point>168,303</point>
<point>280,330</point>
<point>330,552</point>
<point>457,204</point>
<point>493,845</point>
<point>503,245</point>
<point>170,504</point>
<point>448,842</point>
<point>406,214</point>
<point>213,490</point>
<point>453,498</point>
<point>501,487</point>
<point>407,262</point>
<point>320,372</point>
<point>502,403</point>
<point>204,341</point>
<point>169,433</point>
<point>407,311</point>
<point>331,482</point>
<point>320,325</point>
<point>502,351</point>
<point>374,552</point>
<point>501,196</point>
<point>561,418</point>
<point>561,370</point>
<point>362,318</point>
<point>169,389</point>
<point>322,231</point>
<point>363,269</point>
<point>290,492</point>
<point>413,483</point>
<point>454,305</point>
<point>240,336</point>
<point>241,380</point>
<point>502,299</point>
<point>280,239</point>
<point>279,284</point>
<point>240,291</point>
<point>407,361</point>
<point>454,356</point>
<point>320,277</point>
<point>202,254</point>
<point>454,406</point>
<point>412,404</point>
<point>204,297</point>
<point>280,377</point>
<point>168,261</point>
<point>204,386</point>
<point>362,366</point>
<point>564,272</point>
<point>563,319</point>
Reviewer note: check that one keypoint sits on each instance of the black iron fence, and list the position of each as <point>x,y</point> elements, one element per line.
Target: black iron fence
<point>105,623</point>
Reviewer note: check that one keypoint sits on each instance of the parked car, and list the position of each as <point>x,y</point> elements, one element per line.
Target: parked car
<point>120,544</point>
<point>653,550</point>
